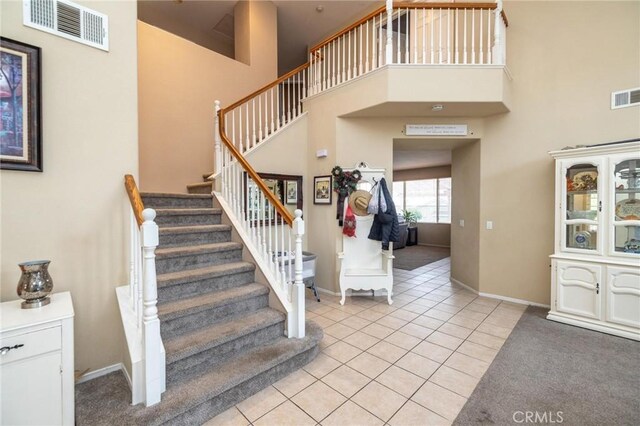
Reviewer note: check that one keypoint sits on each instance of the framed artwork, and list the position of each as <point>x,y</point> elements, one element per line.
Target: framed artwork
<point>292,192</point>
<point>20,106</point>
<point>322,189</point>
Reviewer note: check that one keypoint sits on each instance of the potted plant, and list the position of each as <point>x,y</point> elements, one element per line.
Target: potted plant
<point>411,217</point>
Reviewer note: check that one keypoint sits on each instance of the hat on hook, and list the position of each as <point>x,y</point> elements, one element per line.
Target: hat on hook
<point>359,201</point>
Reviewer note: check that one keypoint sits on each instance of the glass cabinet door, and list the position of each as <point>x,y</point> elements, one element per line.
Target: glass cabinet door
<point>626,207</point>
<point>582,208</point>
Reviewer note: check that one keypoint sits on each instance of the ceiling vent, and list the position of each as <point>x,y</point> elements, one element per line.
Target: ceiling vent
<point>625,98</point>
<point>69,20</point>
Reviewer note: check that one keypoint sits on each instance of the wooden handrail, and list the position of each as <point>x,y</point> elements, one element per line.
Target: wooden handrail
<point>268,86</point>
<point>349,28</point>
<point>504,18</point>
<point>282,211</point>
<point>403,5</point>
<point>134,198</point>
<point>486,6</point>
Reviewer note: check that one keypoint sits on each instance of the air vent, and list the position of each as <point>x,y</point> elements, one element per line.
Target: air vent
<point>69,20</point>
<point>625,98</point>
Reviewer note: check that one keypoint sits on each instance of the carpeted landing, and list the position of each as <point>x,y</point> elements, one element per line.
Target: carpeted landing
<point>548,372</point>
<point>412,257</point>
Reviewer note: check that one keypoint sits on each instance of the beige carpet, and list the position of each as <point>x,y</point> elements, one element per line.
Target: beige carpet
<point>557,373</point>
<point>412,257</point>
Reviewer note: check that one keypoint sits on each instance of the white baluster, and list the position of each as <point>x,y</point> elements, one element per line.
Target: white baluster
<point>217,151</point>
<point>298,296</point>
<point>260,118</point>
<point>424,36</point>
<point>448,36</point>
<point>499,43</point>
<point>407,58</point>
<point>270,252</point>
<point>364,63</point>
<point>274,114</point>
<point>456,54</point>
<point>275,250</point>
<point>464,52</point>
<point>247,133</point>
<point>481,38</point>
<point>431,25</point>
<point>151,323</point>
<point>283,275</point>
<point>389,45</point>
<point>488,36</point>
<point>258,223</point>
<point>414,17</point>
<point>253,122</point>
<point>240,128</point>
<point>263,221</point>
<point>473,36</point>
<point>349,55</point>
<point>398,51</point>
<point>290,254</point>
<point>440,35</point>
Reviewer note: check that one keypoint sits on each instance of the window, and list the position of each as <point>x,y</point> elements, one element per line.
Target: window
<point>429,197</point>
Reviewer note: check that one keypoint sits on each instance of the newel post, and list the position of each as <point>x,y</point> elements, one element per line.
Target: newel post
<point>153,375</point>
<point>499,45</point>
<point>218,141</point>
<point>389,45</point>
<point>298,299</point>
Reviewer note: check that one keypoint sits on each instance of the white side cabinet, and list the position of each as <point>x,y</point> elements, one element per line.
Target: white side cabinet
<point>595,280</point>
<point>36,363</point>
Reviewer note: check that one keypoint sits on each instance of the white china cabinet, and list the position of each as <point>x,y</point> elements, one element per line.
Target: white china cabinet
<point>595,278</point>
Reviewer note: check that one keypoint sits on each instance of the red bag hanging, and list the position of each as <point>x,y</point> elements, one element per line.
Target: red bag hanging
<point>349,227</point>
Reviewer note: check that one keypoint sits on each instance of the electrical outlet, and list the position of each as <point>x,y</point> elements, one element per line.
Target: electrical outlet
<point>461,223</point>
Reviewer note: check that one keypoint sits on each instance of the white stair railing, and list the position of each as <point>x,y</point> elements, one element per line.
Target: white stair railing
<point>148,375</point>
<point>260,115</point>
<point>411,34</point>
<point>269,231</point>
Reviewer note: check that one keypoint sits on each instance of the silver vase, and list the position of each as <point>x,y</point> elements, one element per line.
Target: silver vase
<point>35,284</point>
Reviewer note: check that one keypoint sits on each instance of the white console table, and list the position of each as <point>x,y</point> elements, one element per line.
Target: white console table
<point>36,363</point>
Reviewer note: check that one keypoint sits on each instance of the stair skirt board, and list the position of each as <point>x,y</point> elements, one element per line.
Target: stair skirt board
<point>221,341</point>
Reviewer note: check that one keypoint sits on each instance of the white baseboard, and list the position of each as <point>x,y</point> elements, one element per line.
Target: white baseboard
<point>514,300</point>
<point>499,297</point>
<point>103,372</point>
<point>434,245</point>
<point>461,284</point>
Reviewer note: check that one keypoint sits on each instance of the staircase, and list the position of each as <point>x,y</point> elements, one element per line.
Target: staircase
<point>223,342</point>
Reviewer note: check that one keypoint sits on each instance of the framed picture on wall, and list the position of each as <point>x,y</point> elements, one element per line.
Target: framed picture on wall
<point>322,190</point>
<point>292,192</point>
<point>20,106</point>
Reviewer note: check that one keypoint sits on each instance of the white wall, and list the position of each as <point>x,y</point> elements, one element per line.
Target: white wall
<point>75,213</point>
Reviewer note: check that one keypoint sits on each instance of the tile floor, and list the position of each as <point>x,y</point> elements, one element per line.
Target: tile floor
<point>412,363</point>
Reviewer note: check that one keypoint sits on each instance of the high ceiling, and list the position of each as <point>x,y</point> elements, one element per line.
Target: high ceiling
<point>210,23</point>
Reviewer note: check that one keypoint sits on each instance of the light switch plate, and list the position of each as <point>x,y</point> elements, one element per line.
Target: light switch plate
<point>461,223</point>
<point>489,225</point>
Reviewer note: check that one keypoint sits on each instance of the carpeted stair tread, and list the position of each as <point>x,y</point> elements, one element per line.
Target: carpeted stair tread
<point>182,346</point>
<point>173,195</point>
<point>206,184</point>
<point>189,394</point>
<point>182,307</point>
<point>173,278</point>
<point>173,230</point>
<point>197,249</point>
<point>206,176</point>
<point>187,212</point>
